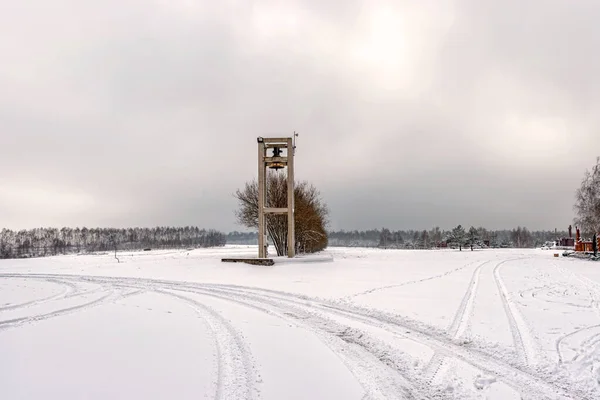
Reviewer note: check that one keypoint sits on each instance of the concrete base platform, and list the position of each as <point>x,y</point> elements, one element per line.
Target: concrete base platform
<point>309,258</point>
<point>252,261</point>
<point>304,258</point>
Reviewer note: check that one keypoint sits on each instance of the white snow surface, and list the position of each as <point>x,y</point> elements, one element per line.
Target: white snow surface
<point>346,324</point>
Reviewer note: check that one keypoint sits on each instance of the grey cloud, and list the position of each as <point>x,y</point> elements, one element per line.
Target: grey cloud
<point>439,113</point>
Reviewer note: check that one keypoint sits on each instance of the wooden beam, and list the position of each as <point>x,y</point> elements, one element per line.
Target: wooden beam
<point>276,159</point>
<point>262,186</point>
<point>271,210</point>
<point>275,140</point>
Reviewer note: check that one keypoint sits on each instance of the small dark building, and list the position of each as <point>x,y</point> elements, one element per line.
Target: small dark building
<point>567,242</point>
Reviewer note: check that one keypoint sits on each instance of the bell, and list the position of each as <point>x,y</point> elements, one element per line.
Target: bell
<point>276,165</point>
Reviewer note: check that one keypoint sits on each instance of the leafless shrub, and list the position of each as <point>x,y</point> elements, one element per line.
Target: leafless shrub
<point>310,215</point>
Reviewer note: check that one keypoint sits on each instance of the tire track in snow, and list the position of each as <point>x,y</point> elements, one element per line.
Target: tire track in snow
<point>561,339</point>
<point>435,364</point>
<point>531,383</point>
<point>235,369</point>
<point>458,325</point>
<point>371,370</point>
<point>370,367</point>
<point>592,288</point>
<point>110,295</point>
<point>429,278</point>
<point>534,293</point>
<point>465,310</point>
<point>374,366</point>
<point>523,342</point>
<point>585,361</point>
<point>15,322</point>
<point>528,383</point>
<point>70,289</point>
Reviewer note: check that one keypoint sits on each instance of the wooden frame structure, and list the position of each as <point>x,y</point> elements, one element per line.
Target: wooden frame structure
<point>275,161</point>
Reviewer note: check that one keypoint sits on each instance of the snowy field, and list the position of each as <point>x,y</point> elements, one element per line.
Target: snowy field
<point>367,324</point>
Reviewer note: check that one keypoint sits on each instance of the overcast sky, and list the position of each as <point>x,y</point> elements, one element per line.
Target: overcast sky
<point>411,114</point>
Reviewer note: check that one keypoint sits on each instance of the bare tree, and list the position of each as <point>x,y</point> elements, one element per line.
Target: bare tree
<point>436,236</point>
<point>310,213</point>
<point>521,237</point>
<point>587,201</point>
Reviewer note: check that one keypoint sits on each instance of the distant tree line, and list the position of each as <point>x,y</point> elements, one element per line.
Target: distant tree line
<point>458,237</point>
<point>242,238</point>
<point>41,242</point>
<point>519,237</point>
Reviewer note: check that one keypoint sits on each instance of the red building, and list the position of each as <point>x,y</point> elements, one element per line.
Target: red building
<point>584,245</point>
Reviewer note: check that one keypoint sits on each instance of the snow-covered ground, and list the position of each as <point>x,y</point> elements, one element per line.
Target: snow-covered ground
<point>367,324</point>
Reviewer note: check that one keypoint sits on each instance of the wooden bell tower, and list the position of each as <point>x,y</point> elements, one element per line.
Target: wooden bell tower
<point>271,156</point>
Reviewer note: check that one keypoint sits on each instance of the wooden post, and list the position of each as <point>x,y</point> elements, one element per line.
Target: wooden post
<point>262,245</point>
<point>290,199</point>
